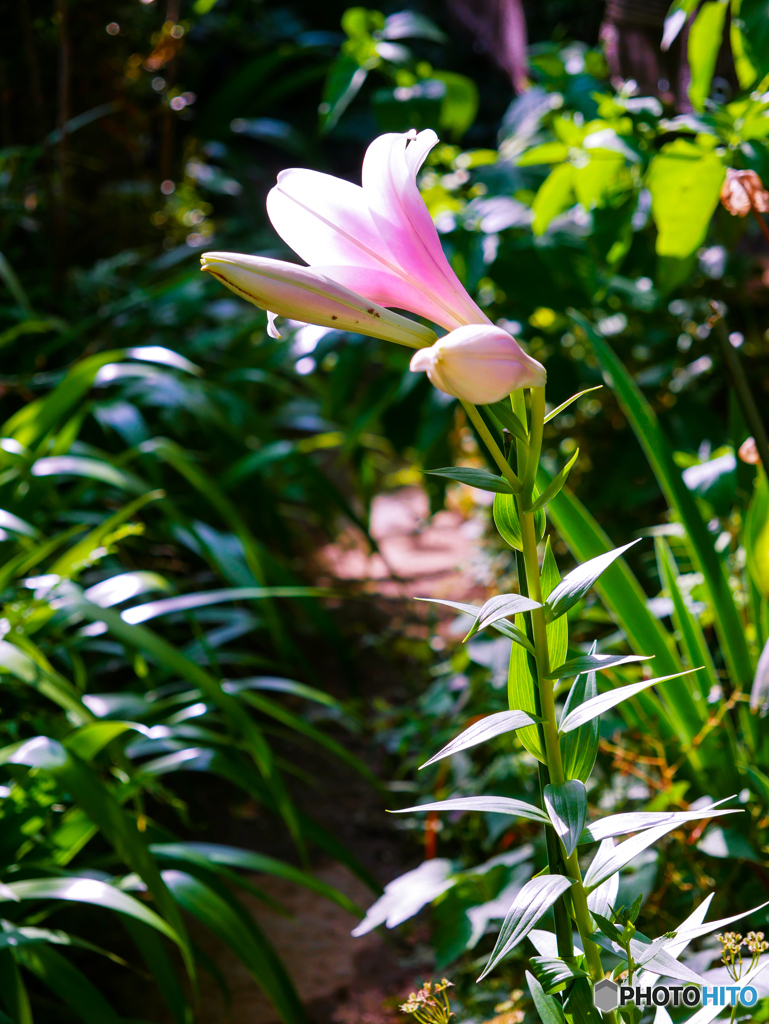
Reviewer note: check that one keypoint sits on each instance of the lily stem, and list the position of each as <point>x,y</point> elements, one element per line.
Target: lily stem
<point>494,450</point>
<point>545,686</point>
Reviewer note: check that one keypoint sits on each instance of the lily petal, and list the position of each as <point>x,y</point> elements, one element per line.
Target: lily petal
<point>379,238</point>
<point>301,293</point>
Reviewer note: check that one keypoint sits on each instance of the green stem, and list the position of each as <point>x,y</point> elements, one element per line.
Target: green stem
<point>494,450</point>
<point>546,692</point>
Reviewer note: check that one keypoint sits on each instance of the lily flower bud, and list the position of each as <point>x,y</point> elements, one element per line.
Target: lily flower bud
<point>286,289</point>
<point>479,363</point>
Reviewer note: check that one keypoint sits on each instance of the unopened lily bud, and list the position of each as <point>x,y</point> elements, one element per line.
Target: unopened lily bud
<point>301,293</point>
<point>743,191</point>
<point>479,363</point>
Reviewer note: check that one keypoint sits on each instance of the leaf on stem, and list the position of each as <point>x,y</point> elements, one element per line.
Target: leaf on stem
<point>555,974</point>
<point>486,729</point>
<point>521,695</point>
<point>579,581</point>
<point>529,905</point>
<point>550,492</point>
<point>568,402</point>
<point>489,804</point>
<point>500,607</point>
<point>566,805</point>
<point>579,748</point>
<point>595,663</point>
<point>605,701</point>
<point>506,416</point>
<point>506,521</point>
<point>508,629</point>
<point>480,478</point>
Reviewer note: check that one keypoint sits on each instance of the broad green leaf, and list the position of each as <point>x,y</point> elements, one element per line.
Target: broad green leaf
<point>566,805</point>
<point>595,179</point>
<point>579,748</point>
<point>545,153</point>
<point>565,405</point>
<point>606,701</point>
<point>752,22</point>
<point>556,973</point>
<point>594,663</point>
<point>727,622</point>
<point>579,581</point>
<point>522,696</point>
<point>92,891</point>
<point>69,984</point>
<point>529,905</point>
<point>685,181</point>
<point>459,105</point>
<point>488,728</point>
<point>474,478</point>
<point>705,38</point>
<point>555,196</point>
<point>506,521</point>
<point>489,804</point>
<point>550,492</point>
<point>244,938</point>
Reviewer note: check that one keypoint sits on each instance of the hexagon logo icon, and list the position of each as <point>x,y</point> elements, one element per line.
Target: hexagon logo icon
<point>606,996</point>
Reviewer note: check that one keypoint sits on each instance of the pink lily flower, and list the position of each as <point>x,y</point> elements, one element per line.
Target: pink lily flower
<point>378,238</point>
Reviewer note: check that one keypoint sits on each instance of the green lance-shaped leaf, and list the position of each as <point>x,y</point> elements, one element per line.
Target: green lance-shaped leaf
<point>69,984</point>
<point>506,521</point>
<point>602,899</point>
<point>39,752</point>
<point>500,607</point>
<point>579,748</point>
<point>605,701</point>
<point>521,694</point>
<point>566,805</point>
<point>554,974</point>
<point>529,905</point>
<point>636,821</point>
<point>507,419</point>
<point>558,630</point>
<point>565,405</point>
<point>489,804</point>
<point>550,492</point>
<point>508,629</point>
<point>243,936</point>
<point>37,673</point>
<point>488,728</point>
<point>594,663</point>
<point>94,469</point>
<point>549,1009</point>
<point>480,478</point>
<point>13,991</point>
<point>646,427</point>
<point>579,581</point>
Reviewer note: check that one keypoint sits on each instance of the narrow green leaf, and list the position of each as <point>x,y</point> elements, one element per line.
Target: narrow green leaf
<point>500,607</point>
<point>579,748</point>
<point>553,974</point>
<point>636,821</point>
<point>13,991</point>
<point>506,521</point>
<point>579,581</point>
<point>488,728</point>
<point>488,804</point>
<point>243,936</point>
<point>566,805</point>
<point>474,478</point>
<point>94,469</point>
<point>646,427</point>
<point>594,663</point>
<point>529,905</point>
<point>69,984</point>
<point>37,673</point>
<point>503,412</point>
<point>565,405</point>
<point>557,631</point>
<point>606,701</point>
<point>607,861</point>
<point>550,492</point>
<point>521,694</point>
<point>555,971</point>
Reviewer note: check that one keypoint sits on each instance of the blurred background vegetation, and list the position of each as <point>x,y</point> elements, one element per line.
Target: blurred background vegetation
<point>163,461</point>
